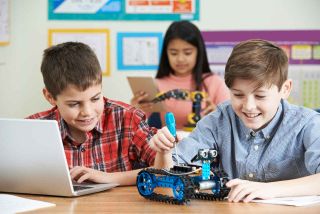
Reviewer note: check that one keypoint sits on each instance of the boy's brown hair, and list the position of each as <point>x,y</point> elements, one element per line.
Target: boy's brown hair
<point>68,63</point>
<point>258,60</point>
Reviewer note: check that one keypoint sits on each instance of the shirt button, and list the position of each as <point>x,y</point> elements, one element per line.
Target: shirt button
<point>256,147</point>
<point>250,175</point>
<point>252,134</point>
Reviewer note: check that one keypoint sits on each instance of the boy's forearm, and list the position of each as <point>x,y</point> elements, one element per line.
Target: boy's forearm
<point>163,160</point>
<point>308,185</point>
<point>126,178</point>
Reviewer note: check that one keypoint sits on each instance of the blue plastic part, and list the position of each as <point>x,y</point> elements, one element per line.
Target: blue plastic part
<point>173,182</point>
<point>216,190</point>
<point>206,170</point>
<point>178,189</point>
<point>171,123</point>
<point>146,183</point>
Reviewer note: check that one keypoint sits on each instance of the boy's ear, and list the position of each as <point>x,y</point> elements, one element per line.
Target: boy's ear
<point>286,88</point>
<point>48,97</point>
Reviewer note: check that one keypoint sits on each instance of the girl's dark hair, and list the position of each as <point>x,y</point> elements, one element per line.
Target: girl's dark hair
<point>188,32</point>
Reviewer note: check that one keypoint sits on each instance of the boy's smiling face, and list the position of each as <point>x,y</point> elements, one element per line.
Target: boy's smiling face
<point>80,109</point>
<point>257,106</point>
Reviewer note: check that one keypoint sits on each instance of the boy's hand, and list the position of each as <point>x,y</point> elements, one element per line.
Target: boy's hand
<point>163,141</point>
<point>246,191</point>
<point>137,101</point>
<point>81,174</point>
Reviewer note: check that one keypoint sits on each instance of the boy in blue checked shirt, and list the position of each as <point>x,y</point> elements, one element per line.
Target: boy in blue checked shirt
<point>104,140</point>
<point>270,148</point>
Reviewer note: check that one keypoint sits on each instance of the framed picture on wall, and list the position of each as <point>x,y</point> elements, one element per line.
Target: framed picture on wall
<point>97,39</point>
<point>4,22</point>
<point>139,51</point>
<point>123,10</point>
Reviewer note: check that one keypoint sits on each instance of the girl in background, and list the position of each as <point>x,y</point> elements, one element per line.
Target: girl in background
<point>184,65</point>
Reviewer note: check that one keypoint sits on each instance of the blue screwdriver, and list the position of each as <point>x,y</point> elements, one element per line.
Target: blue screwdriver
<point>171,124</point>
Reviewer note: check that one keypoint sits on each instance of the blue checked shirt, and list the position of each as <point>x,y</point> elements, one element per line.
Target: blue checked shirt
<point>287,148</point>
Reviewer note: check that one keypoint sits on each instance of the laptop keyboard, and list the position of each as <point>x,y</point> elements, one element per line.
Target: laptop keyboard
<point>77,188</point>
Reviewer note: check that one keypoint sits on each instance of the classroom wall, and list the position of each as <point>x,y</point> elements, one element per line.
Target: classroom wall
<point>20,78</point>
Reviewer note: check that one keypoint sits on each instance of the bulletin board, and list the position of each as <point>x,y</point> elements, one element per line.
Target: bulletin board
<point>4,22</point>
<point>138,51</point>
<point>123,10</point>
<point>97,39</point>
<point>302,48</point>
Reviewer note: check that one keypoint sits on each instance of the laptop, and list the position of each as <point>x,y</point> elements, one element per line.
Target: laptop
<point>32,160</point>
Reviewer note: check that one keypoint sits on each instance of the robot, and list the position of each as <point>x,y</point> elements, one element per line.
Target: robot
<point>179,94</point>
<point>185,181</point>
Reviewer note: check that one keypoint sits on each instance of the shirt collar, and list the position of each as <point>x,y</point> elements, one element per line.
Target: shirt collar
<point>62,125</point>
<point>99,126</point>
<point>271,128</point>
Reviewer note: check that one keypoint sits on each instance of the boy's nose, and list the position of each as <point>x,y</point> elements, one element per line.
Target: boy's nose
<point>86,110</point>
<point>249,104</point>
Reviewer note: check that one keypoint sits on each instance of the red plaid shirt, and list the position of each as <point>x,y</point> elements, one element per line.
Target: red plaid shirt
<point>119,142</point>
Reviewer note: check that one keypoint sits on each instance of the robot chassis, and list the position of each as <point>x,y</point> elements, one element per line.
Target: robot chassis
<point>185,181</point>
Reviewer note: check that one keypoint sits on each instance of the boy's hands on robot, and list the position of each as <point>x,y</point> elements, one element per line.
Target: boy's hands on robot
<point>167,137</point>
<point>185,181</point>
<point>164,141</point>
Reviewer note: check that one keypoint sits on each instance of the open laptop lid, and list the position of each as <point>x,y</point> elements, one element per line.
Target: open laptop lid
<point>32,159</point>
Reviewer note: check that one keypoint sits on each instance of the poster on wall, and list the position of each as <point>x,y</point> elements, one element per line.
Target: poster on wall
<point>123,10</point>
<point>138,51</point>
<point>4,22</point>
<point>301,46</point>
<point>97,39</point>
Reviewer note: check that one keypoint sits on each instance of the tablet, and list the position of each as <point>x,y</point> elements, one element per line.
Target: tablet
<point>147,85</point>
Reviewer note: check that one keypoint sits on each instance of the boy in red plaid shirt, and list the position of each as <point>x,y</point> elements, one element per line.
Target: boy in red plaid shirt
<point>104,140</point>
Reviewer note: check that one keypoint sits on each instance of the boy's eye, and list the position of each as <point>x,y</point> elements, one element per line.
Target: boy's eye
<point>95,98</point>
<point>72,105</point>
<point>260,97</point>
<point>237,95</point>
